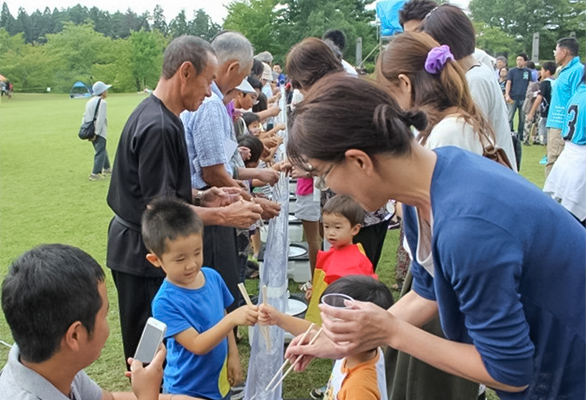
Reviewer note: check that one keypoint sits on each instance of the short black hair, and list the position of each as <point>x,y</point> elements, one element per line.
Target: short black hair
<point>362,288</point>
<point>167,218</point>
<point>337,37</point>
<point>257,68</point>
<point>262,103</point>
<point>416,10</point>
<point>255,83</point>
<point>549,66</point>
<point>530,64</point>
<point>47,289</point>
<point>254,144</point>
<point>250,117</point>
<point>524,55</point>
<point>570,43</point>
<point>186,48</point>
<point>346,207</point>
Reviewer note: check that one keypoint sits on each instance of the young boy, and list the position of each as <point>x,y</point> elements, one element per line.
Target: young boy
<point>342,219</point>
<point>543,98</point>
<point>358,376</point>
<point>202,358</point>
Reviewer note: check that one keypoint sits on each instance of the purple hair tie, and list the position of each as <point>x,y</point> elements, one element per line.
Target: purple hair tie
<point>437,58</point>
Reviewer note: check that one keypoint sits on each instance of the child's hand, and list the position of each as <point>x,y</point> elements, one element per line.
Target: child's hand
<point>234,370</point>
<point>245,315</point>
<point>308,294</point>
<point>280,127</point>
<point>268,315</point>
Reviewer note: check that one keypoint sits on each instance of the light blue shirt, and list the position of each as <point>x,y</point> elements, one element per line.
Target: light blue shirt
<point>575,123</point>
<point>206,132</point>
<point>563,88</point>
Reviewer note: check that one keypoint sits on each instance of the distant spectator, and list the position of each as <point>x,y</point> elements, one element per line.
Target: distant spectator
<point>339,39</point>
<point>281,78</point>
<point>517,82</point>
<point>500,63</point>
<point>265,57</point>
<point>543,99</point>
<point>564,87</point>
<point>413,12</point>
<point>101,161</point>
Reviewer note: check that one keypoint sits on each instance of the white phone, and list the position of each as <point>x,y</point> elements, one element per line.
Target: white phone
<point>152,336</point>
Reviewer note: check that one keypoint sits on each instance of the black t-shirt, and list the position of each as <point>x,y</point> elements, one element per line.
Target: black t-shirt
<point>545,92</point>
<point>151,161</point>
<point>520,78</point>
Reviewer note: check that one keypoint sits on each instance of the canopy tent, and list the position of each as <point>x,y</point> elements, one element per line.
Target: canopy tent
<point>387,12</point>
<point>3,78</point>
<point>80,90</point>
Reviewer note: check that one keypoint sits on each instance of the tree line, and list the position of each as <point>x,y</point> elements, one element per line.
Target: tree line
<point>54,48</point>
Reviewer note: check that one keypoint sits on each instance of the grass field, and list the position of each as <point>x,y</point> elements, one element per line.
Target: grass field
<point>45,197</point>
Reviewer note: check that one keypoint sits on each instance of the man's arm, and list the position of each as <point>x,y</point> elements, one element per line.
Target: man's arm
<point>508,90</point>
<point>216,175</point>
<point>536,104</point>
<point>241,214</point>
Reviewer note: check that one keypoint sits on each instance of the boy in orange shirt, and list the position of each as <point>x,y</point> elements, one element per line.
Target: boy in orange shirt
<point>358,376</point>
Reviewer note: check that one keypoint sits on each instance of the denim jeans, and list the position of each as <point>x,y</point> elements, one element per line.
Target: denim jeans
<point>101,160</point>
<point>512,107</point>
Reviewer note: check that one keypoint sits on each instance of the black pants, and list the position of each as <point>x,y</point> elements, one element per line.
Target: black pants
<point>372,239</point>
<point>135,294</point>
<point>220,253</point>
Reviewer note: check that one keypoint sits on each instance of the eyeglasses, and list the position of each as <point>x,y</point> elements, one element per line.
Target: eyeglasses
<point>320,181</point>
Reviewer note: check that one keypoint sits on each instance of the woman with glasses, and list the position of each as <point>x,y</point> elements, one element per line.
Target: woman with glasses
<point>508,286</point>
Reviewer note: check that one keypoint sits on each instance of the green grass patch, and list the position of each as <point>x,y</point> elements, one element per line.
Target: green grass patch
<point>45,197</point>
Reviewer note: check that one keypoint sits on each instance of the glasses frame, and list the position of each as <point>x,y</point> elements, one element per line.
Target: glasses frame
<point>320,180</point>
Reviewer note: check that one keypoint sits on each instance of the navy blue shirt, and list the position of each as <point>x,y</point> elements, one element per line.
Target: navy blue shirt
<point>520,78</point>
<point>506,281</point>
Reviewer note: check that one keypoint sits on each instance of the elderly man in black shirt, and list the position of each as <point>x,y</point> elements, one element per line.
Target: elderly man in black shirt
<point>151,161</point>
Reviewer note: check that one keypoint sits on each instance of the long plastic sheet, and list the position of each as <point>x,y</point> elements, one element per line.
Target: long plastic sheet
<point>264,361</point>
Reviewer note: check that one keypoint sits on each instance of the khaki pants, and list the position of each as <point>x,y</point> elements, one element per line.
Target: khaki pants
<point>555,145</point>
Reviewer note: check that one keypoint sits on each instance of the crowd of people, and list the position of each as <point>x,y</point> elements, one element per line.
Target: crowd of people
<point>494,293</point>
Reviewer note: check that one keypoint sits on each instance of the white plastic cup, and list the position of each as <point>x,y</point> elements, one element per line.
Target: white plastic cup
<point>337,300</point>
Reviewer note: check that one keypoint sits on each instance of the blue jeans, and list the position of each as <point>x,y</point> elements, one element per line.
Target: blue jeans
<point>512,107</point>
<point>101,160</point>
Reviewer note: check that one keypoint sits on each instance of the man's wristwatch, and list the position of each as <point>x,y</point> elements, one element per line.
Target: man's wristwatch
<point>197,198</point>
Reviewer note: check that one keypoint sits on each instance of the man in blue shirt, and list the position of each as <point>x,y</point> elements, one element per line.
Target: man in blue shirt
<point>517,81</point>
<point>564,87</point>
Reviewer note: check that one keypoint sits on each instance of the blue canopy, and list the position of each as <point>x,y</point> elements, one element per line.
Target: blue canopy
<point>388,14</point>
<point>80,90</point>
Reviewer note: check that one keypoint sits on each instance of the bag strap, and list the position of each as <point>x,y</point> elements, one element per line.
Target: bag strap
<point>96,110</point>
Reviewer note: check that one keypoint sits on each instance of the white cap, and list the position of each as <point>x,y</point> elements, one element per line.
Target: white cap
<point>99,88</point>
<point>245,87</point>
<point>267,73</point>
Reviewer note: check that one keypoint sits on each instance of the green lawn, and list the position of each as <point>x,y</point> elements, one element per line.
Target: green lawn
<point>45,197</point>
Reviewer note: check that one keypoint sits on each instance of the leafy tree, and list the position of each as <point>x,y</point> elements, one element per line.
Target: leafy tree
<point>259,21</point>
<point>179,25</point>
<point>76,49</point>
<point>553,19</point>
<point>203,26</point>
<point>159,22</point>
<point>146,57</point>
<point>496,42</point>
<point>7,21</point>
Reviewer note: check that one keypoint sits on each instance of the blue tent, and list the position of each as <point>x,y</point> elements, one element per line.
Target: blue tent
<point>80,90</point>
<point>388,14</point>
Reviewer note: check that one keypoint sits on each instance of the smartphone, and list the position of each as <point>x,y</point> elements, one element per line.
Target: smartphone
<point>152,336</point>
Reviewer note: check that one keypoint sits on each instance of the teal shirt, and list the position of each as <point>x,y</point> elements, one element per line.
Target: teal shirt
<point>562,90</point>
